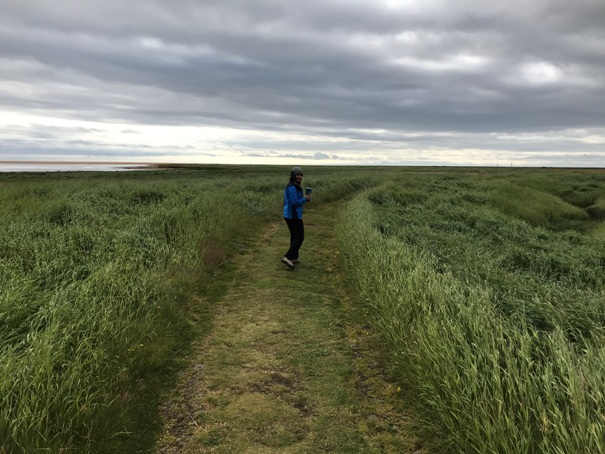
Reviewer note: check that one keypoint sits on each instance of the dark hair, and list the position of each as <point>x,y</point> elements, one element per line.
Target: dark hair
<point>295,171</point>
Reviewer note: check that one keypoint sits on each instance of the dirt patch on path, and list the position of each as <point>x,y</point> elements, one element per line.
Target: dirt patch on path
<point>286,368</point>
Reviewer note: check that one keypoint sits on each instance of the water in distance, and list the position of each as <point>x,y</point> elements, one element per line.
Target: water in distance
<point>68,167</point>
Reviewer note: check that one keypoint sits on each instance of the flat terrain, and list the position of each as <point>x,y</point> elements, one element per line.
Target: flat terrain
<point>289,366</point>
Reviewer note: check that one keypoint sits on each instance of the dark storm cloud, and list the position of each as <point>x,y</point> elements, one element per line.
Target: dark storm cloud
<point>335,68</point>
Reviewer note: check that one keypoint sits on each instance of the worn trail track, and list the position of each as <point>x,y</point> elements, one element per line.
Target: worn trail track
<point>288,366</point>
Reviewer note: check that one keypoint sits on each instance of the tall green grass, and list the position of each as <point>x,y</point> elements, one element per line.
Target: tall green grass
<point>97,276</point>
<point>489,298</point>
<point>493,314</point>
<point>535,270</point>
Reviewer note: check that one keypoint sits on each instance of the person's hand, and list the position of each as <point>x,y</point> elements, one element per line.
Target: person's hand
<point>308,197</point>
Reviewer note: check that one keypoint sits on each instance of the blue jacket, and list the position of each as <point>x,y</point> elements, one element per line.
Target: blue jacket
<point>293,202</point>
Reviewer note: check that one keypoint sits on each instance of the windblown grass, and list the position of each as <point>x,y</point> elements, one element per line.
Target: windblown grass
<point>100,273</point>
<point>96,280</point>
<point>487,287</point>
<point>490,306</point>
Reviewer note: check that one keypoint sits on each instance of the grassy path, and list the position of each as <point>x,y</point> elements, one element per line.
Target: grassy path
<point>288,366</point>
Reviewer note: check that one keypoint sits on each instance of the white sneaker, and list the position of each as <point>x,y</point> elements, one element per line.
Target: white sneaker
<point>287,261</point>
<point>295,261</point>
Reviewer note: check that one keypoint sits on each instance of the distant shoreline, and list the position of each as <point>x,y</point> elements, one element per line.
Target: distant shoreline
<point>23,166</point>
<point>92,163</point>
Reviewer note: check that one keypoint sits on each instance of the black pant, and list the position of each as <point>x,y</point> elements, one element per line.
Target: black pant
<point>297,236</point>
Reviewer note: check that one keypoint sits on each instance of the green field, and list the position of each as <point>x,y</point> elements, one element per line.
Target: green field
<point>485,286</point>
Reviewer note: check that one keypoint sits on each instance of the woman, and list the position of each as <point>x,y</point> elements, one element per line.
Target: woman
<point>294,199</point>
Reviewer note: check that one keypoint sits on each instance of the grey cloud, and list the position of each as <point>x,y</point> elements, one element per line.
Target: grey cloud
<point>315,68</point>
<point>323,156</point>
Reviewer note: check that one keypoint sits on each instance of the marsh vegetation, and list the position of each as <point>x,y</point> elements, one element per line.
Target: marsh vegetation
<point>489,295</point>
<point>485,288</point>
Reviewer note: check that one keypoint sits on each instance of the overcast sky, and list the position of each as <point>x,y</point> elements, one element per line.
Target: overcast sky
<point>410,82</point>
